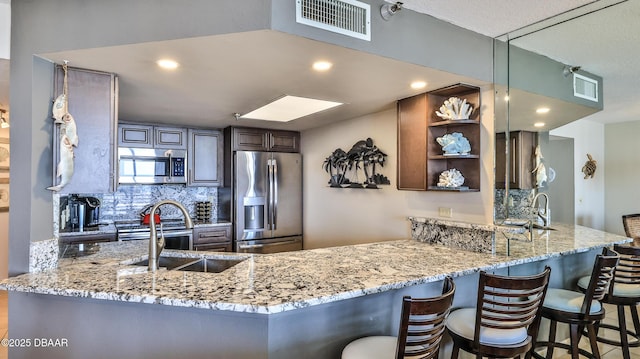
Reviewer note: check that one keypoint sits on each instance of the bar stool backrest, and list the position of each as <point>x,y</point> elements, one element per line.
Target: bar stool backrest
<point>601,277</point>
<point>510,302</point>
<point>631,224</point>
<point>422,323</point>
<point>628,268</point>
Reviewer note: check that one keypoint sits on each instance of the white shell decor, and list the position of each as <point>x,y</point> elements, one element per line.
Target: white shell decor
<point>68,135</point>
<point>450,178</point>
<point>540,170</point>
<point>454,144</point>
<point>455,109</point>
<point>65,165</point>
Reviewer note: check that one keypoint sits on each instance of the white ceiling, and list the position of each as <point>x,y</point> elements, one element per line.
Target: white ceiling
<point>222,75</point>
<point>604,42</point>
<point>492,17</point>
<point>237,73</point>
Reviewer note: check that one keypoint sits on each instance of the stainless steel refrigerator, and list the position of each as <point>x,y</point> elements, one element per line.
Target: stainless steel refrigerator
<point>267,201</point>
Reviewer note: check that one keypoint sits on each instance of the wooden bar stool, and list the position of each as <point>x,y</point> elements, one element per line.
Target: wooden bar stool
<point>505,321</point>
<point>631,223</point>
<point>623,292</point>
<point>419,335</point>
<point>579,310</point>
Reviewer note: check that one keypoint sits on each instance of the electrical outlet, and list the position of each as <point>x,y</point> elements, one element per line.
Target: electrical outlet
<point>445,212</point>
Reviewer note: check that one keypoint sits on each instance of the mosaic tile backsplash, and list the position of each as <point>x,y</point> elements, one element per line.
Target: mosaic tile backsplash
<point>520,206</point>
<point>127,202</point>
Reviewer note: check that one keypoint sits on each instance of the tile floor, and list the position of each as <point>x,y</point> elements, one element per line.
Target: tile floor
<point>607,351</point>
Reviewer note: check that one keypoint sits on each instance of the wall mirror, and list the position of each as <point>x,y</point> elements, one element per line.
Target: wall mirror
<point>535,68</point>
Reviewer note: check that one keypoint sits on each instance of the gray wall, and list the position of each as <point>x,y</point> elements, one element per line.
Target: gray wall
<point>622,171</point>
<point>37,28</point>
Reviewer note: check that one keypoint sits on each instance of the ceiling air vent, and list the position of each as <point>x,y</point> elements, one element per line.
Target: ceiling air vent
<point>585,87</point>
<point>347,17</point>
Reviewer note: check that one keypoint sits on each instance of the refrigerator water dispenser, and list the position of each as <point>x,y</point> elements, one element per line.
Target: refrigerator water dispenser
<point>254,213</point>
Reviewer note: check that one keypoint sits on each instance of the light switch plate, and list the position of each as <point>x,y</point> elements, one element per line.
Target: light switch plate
<point>445,212</point>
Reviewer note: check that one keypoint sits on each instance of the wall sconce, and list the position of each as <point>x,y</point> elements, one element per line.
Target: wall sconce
<point>3,121</point>
<point>388,10</point>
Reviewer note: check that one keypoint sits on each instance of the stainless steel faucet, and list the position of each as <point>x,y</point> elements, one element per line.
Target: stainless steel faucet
<point>156,245</point>
<point>544,214</point>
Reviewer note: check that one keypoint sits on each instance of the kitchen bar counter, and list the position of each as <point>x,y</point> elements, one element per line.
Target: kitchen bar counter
<point>287,281</point>
<point>306,304</point>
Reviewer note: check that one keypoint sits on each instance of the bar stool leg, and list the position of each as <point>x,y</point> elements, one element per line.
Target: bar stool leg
<point>593,340</point>
<point>624,340</point>
<point>575,338</point>
<point>454,352</point>
<point>552,338</point>
<point>636,322</point>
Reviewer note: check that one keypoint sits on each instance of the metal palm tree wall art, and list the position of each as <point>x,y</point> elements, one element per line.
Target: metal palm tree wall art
<point>363,155</point>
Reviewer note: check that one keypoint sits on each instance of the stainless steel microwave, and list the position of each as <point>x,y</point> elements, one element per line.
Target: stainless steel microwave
<point>151,166</point>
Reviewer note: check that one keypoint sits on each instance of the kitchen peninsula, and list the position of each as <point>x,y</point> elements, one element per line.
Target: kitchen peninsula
<point>286,305</point>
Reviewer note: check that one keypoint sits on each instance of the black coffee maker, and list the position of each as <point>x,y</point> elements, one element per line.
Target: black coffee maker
<point>80,213</point>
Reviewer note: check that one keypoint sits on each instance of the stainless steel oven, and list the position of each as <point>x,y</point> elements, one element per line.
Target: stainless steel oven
<point>176,235</point>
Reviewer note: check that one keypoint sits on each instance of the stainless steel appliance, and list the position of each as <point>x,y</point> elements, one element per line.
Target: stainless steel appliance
<point>79,213</point>
<point>151,166</point>
<point>175,233</point>
<point>267,201</point>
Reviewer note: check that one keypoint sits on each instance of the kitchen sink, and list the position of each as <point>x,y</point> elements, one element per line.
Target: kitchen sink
<point>205,265</point>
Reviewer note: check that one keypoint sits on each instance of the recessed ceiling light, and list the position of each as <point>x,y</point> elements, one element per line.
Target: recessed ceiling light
<point>417,85</point>
<point>289,108</point>
<point>322,65</point>
<point>539,124</point>
<point>167,64</point>
<point>542,110</point>
<point>506,98</point>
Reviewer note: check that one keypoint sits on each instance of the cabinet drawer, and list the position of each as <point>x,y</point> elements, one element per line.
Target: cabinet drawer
<point>212,235</point>
<point>215,247</point>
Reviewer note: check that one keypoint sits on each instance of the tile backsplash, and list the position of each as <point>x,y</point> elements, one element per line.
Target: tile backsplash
<point>127,202</point>
<point>519,203</point>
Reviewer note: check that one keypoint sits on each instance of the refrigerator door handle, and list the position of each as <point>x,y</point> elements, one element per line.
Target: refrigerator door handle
<point>270,199</point>
<point>274,164</point>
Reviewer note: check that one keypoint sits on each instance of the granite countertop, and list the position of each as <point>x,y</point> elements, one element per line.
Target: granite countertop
<point>280,282</point>
<point>106,228</point>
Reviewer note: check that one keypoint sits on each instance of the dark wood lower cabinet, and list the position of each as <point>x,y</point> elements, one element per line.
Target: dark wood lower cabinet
<point>216,238</point>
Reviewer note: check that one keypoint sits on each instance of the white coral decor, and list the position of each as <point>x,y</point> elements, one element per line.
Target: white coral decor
<point>450,178</point>
<point>455,109</point>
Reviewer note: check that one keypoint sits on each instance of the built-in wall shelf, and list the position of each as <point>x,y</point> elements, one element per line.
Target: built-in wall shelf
<point>420,157</point>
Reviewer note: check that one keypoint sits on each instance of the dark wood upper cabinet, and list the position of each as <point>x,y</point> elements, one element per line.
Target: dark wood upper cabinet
<point>412,143</point>
<point>522,145</point>
<point>93,97</point>
<point>259,139</point>
<point>420,157</point>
